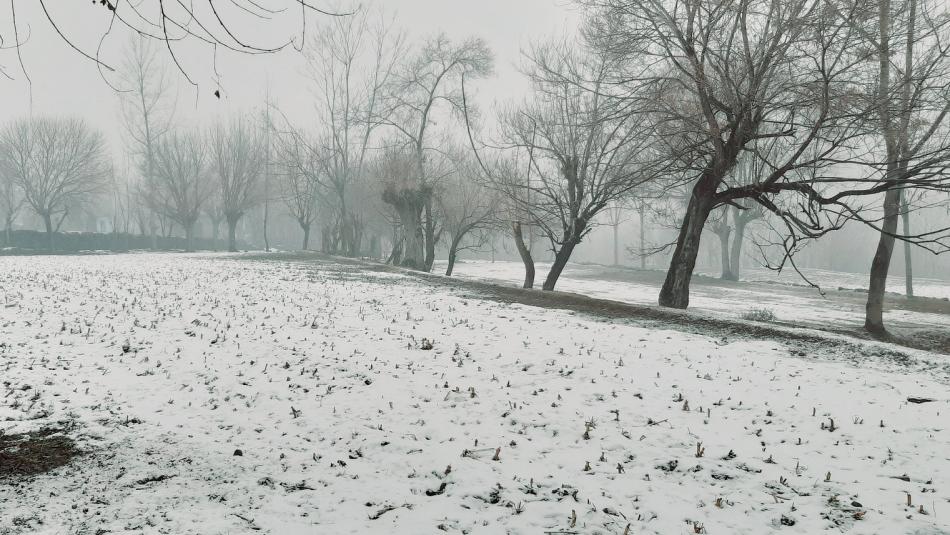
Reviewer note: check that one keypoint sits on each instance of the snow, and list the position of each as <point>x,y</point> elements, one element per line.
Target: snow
<point>320,375</point>
<point>783,295</point>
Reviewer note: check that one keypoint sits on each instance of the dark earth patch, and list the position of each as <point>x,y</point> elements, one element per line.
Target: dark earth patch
<point>36,452</point>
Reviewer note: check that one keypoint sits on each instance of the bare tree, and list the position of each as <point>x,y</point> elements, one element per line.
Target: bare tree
<point>176,27</point>
<point>297,166</point>
<point>723,80</point>
<point>351,61</point>
<point>908,39</point>
<point>57,163</point>
<point>584,153</point>
<point>183,184</point>
<point>468,210</point>
<point>11,199</point>
<point>238,158</point>
<point>433,76</point>
<point>147,106</point>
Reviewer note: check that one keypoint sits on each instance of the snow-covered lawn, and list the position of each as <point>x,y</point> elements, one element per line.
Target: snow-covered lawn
<point>784,295</point>
<point>365,402</point>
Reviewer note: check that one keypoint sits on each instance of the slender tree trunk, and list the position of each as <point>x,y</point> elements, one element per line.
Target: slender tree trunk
<point>306,236</point>
<point>874,310</point>
<point>560,260</point>
<point>48,222</point>
<point>453,253</point>
<point>908,261</point>
<point>190,237</point>
<point>215,227</point>
<point>429,236</point>
<point>675,291</point>
<point>616,247</point>
<point>525,254</point>
<point>735,257</point>
<point>232,232</point>
<point>643,222</point>
<point>266,212</point>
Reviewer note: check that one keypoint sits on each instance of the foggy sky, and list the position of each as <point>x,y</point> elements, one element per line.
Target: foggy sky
<point>65,83</point>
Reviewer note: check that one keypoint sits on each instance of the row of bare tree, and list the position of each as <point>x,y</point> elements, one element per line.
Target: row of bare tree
<point>808,114</point>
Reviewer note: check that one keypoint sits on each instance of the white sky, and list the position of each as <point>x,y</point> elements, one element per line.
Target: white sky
<point>65,83</point>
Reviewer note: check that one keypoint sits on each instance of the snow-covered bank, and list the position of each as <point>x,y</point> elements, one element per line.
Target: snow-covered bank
<point>515,420</point>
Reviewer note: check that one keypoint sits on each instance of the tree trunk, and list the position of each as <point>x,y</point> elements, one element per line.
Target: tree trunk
<point>675,291</point>
<point>266,211</point>
<point>560,260</point>
<point>413,256</point>
<point>232,232</point>
<point>48,222</point>
<point>525,254</point>
<point>735,257</point>
<point>616,246</point>
<point>643,256</point>
<point>908,261</point>
<point>724,252</point>
<point>429,236</point>
<point>306,236</point>
<point>215,227</point>
<point>874,310</point>
<point>453,252</point>
<point>190,237</point>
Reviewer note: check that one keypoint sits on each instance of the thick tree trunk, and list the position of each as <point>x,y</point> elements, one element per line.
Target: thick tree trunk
<point>724,253</point>
<point>232,233</point>
<point>413,255</point>
<point>908,261</point>
<point>525,254</point>
<point>560,260</point>
<point>874,310</point>
<point>735,256</point>
<point>675,291</point>
<point>48,222</point>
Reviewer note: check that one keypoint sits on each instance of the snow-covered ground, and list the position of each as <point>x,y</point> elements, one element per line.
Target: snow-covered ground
<point>783,295</point>
<point>516,420</point>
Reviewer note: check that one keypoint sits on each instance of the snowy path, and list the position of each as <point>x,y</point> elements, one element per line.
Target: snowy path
<point>789,303</point>
<point>320,375</point>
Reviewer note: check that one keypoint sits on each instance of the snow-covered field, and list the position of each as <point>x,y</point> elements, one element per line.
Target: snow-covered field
<point>364,402</point>
<point>783,295</point>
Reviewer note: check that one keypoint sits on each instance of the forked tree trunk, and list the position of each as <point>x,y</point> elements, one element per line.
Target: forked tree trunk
<point>874,310</point>
<point>525,254</point>
<point>908,260</point>
<point>675,291</point>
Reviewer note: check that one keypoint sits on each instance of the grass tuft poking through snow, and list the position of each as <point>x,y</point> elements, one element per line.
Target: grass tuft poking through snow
<point>222,395</point>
